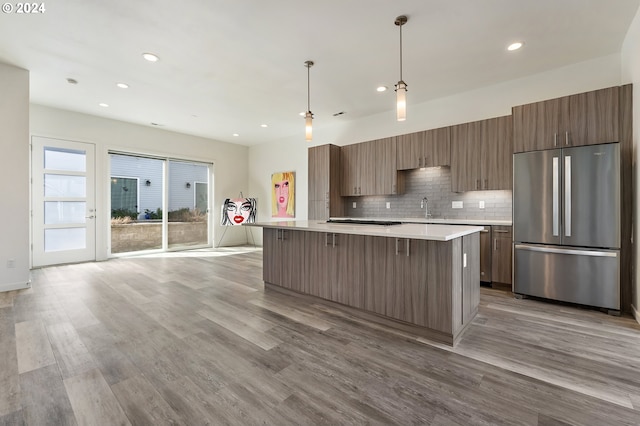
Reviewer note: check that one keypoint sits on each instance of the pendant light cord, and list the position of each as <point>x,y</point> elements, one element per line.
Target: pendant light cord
<point>308,87</point>
<point>400,51</point>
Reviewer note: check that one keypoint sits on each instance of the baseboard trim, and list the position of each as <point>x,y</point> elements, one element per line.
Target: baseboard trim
<point>15,286</point>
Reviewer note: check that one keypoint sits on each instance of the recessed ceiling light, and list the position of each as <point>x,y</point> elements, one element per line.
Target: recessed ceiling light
<point>236,135</point>
<point>263,125</point>
<point>72,81</point>
<point>381,88</point>
<point>515,46</point>
<point>122,85</point>
<point>150,57</point>
<point>102,104</point>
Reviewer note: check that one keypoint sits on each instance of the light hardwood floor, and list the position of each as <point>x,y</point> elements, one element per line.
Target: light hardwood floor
<point>192,338</point>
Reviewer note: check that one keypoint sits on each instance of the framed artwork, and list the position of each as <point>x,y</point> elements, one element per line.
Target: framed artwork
<point>236,211</point>
<point>283,194</point>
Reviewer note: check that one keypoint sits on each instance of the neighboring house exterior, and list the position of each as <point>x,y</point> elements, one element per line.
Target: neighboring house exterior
<point>136,184</point>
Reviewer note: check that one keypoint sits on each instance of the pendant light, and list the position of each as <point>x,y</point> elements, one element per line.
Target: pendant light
<point>308,117</point>
<point>401,87</point>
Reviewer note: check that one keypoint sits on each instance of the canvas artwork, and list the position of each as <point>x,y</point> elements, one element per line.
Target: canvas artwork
<point>236,211</point>
<point>283,194</point>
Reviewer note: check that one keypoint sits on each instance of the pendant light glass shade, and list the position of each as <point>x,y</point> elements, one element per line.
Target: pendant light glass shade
<point>308,119</point>
<point>401,101</point>
<point>308,116</point>
<point>401,87</point>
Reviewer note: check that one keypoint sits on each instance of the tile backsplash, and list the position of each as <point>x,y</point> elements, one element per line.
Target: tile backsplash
<point>435,184</point>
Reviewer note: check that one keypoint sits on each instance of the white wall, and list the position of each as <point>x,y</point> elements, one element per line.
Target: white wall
<point>631,73</point>
<point>229,160</point>
<point>14,178</point>
<point>487,102</point>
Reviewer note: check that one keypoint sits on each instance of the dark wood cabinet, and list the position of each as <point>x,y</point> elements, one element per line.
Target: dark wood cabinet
<point>486,248</point>
<point>283,258</point>
<point>481,155</point>
<point>583,119</point>
<point>335,267</point>
<point>324,183</point>
<point>428,148</point>
<point>369,168</point>
<point>501,254</point>
<point>396,278</point>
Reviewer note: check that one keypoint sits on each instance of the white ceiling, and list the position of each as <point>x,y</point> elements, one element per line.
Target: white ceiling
<point>228,66</point>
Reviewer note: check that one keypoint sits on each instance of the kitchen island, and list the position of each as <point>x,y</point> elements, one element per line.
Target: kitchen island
<point>422,278</point>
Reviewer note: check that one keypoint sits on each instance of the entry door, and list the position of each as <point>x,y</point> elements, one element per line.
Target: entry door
<point>63,201</point>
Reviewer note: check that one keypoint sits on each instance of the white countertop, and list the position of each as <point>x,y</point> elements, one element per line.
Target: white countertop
<point>503,222</point>
<point>420,231</point>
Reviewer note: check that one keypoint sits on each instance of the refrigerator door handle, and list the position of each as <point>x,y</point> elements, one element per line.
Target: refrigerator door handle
<point>546,249</point>
<point>554,203</point>
<point>567,196</point>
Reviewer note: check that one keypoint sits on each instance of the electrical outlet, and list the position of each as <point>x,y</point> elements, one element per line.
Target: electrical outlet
<point>354,204</point>
<point>456,204</point>
<point>11,263</point>
<point>481,204</point>
<point>388,205</point>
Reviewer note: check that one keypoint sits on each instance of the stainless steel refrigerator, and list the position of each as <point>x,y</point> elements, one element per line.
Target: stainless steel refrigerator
<point>566,224</point>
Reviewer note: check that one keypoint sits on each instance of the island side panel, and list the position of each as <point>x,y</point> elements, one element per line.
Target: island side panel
<point>440,282</point>
<point>471,277</point>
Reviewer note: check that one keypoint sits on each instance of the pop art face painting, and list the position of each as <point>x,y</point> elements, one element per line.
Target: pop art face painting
<point>283,194</point>
<point>236,211</point>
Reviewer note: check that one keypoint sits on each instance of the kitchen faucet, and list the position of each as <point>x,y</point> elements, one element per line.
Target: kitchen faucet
<point>424,205</point>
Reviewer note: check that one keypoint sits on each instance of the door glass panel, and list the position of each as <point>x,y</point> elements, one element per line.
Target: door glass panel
<point>64,186</point>
<point>188,201</point>
<point>65,239</point>
<point>64,212</point>
<point>64,159</point>
<point>136,203</point>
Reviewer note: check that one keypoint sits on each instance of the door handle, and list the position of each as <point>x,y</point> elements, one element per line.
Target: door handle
<point>90,217</point>
<point>334,239</point>
<point>567,196</point>
<point>408,245</point>
<point>554,202</point>
<point>566,138</point>
<point>396,246</point>
<point>495,244</point>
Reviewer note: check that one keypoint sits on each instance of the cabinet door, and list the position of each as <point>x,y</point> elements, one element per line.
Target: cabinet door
<point>502,256</point>
<point>350,169</point>
<point>465,154</point>
<point>409,151</point>
<point>384,172</point>
<point>379,267</point>
<point>411,280</point>
<point>593,118</point>
<point>318,172</point>
<point>440,283</point>
<point>347,266</point>
<point>317,266</point>
<point>367,171</point>
<point>537,126</point>
<point>436,147</point>
<point>292,259</point>
<point>485,254</point>
<point>271,270</point>
<point>496,154</point>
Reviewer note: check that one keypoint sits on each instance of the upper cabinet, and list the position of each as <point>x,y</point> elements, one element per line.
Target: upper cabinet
<point>481,155</point>
<point>324,183</point>
<point>428,148</point>
<point>582,119</point>
<point>369,168</point>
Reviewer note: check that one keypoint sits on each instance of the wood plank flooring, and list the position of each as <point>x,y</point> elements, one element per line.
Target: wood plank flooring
<point>192,338</point>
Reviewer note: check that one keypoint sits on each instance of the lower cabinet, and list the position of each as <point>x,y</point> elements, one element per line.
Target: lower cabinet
<point>283,258</point>
<point>501,254</point>
<point>335,267</point>
<point>426,283</point>
<point>485,254</point>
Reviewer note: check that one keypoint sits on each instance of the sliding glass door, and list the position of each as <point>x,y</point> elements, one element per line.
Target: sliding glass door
<point>158,204</point>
